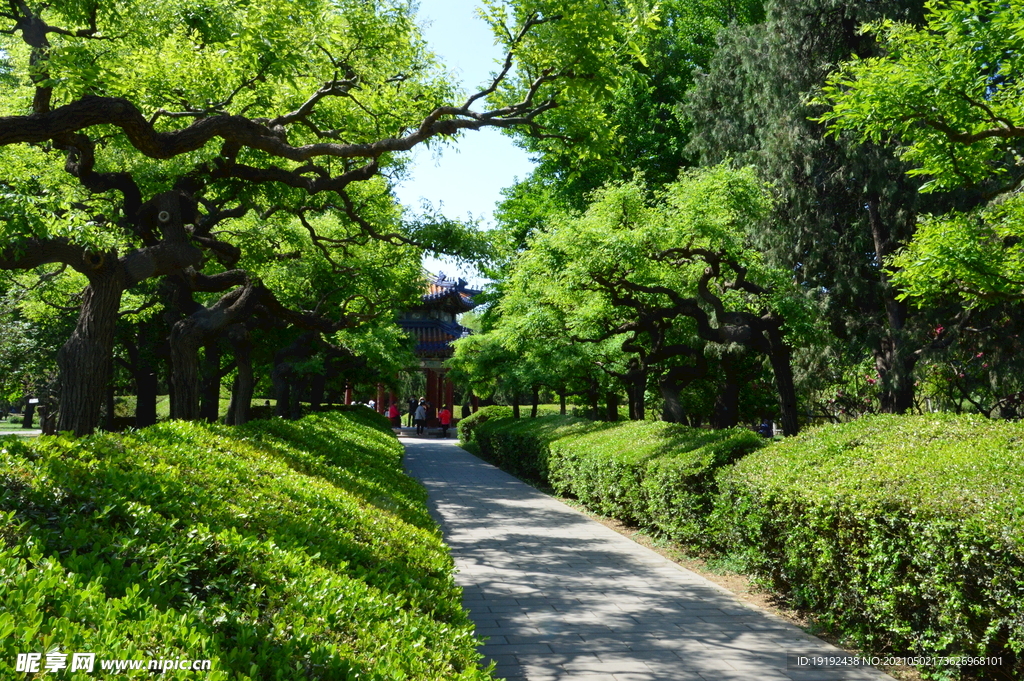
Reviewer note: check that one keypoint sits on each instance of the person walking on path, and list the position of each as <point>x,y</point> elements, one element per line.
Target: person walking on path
<point>420,417</point>
<point>445,417</point>
<point>412,410</point>
<point>562,597</point>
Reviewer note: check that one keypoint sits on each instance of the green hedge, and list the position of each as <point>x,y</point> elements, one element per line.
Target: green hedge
<point>467,426</point>
<point>905,532</point>
<point>278,550</point>
<point>521,446</point>
<point>659,476</point>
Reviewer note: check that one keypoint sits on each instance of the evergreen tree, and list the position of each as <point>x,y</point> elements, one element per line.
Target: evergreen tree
<point>843,207</point>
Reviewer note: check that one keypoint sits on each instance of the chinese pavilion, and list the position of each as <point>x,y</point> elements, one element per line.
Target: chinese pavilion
<point>433,324</point>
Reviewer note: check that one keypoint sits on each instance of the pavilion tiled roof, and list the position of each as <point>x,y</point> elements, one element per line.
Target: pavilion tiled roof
<point>434,336</point>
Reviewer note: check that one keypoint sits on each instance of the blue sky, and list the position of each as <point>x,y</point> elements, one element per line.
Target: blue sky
<point>465,178</point>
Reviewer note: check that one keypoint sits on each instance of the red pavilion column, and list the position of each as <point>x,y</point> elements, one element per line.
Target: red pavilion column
<point>449,394</point>
<point>348,394</point>
<point>431,387</point>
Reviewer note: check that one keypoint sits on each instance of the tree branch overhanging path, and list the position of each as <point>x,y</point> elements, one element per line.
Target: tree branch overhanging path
<point>167,130</point>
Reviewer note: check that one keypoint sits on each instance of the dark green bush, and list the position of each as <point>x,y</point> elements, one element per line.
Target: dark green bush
<point>659,476</point>
<point>904,532</point>
<point>278,550</point>
<point>467,426</point>
<point>521,446</point>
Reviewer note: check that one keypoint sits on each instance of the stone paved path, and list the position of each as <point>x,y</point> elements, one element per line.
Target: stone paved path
<point>563,597</point>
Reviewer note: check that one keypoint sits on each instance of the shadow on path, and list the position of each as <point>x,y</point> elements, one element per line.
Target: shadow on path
<point>560,596</point>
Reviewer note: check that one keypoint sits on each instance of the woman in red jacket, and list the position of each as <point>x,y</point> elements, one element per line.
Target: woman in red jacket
<point>445,417</point>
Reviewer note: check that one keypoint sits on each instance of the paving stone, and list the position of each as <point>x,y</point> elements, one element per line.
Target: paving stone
<point>564,598</point>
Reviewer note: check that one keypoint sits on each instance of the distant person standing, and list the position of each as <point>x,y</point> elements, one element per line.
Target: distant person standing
<point>445,417</point>
<point>412,410</point>
<point>395,416</point>
<point>420,417</point>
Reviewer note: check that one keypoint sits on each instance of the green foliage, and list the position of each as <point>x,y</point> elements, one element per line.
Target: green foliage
<point>279,550</point>
<point>949,91</point>
<point>467,426</point>
<point>658,476</point>
<point>904,533</point>
<point>522,446</point>
<point>973,258</point>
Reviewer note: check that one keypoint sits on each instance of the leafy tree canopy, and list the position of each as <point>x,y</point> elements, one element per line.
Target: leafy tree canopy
<point>950,91</point>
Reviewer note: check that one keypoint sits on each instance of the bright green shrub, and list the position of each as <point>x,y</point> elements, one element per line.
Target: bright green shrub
<point>468,425</point>
<point>655,475</point>
<point>279,550</point>
<point>521,446</point>
<point>904,532</point>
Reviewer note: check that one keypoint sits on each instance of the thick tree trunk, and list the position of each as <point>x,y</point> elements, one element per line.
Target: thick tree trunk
<point>30,414</point>
<point>245,384</point>
<point>317,385</point>
<point>210,398</point>
<point>515,405</point>
<point>282,395</point>
<point>727,402</point>
<point>638,396</point>
<point>894,363</point>
<point>672,407</point>
<point>85,361</point>
<point>781,359</point>
<point>534,403</point>
<point>295,403</point>
<point>612,404</point>
<point>594,409</point>
<point>146,387</point>
<point>561,404</point>
<point>186,339</point>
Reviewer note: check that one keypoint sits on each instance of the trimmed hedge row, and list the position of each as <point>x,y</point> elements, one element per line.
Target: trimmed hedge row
<point>277,550</point>
<point>905,532</point>
<point>659,476</point>
<point>467,426</point>
<point>521,446</point>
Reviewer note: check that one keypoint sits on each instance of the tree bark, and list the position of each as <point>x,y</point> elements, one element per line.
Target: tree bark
<point>672,407</point>
<point>781,359</point>
<point>209,409</point>
<point>727,402</point>
<point>85,361</point>
<point>561,404</point>
<point>612,404</point>
<point>317,385</point>
<point>146,388</point>
<point>515,405</point>
<point>186,339</point>
<point>30,413</point>
<point>295,401</point>
<point>534,402</point>
<point>895,365</point>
